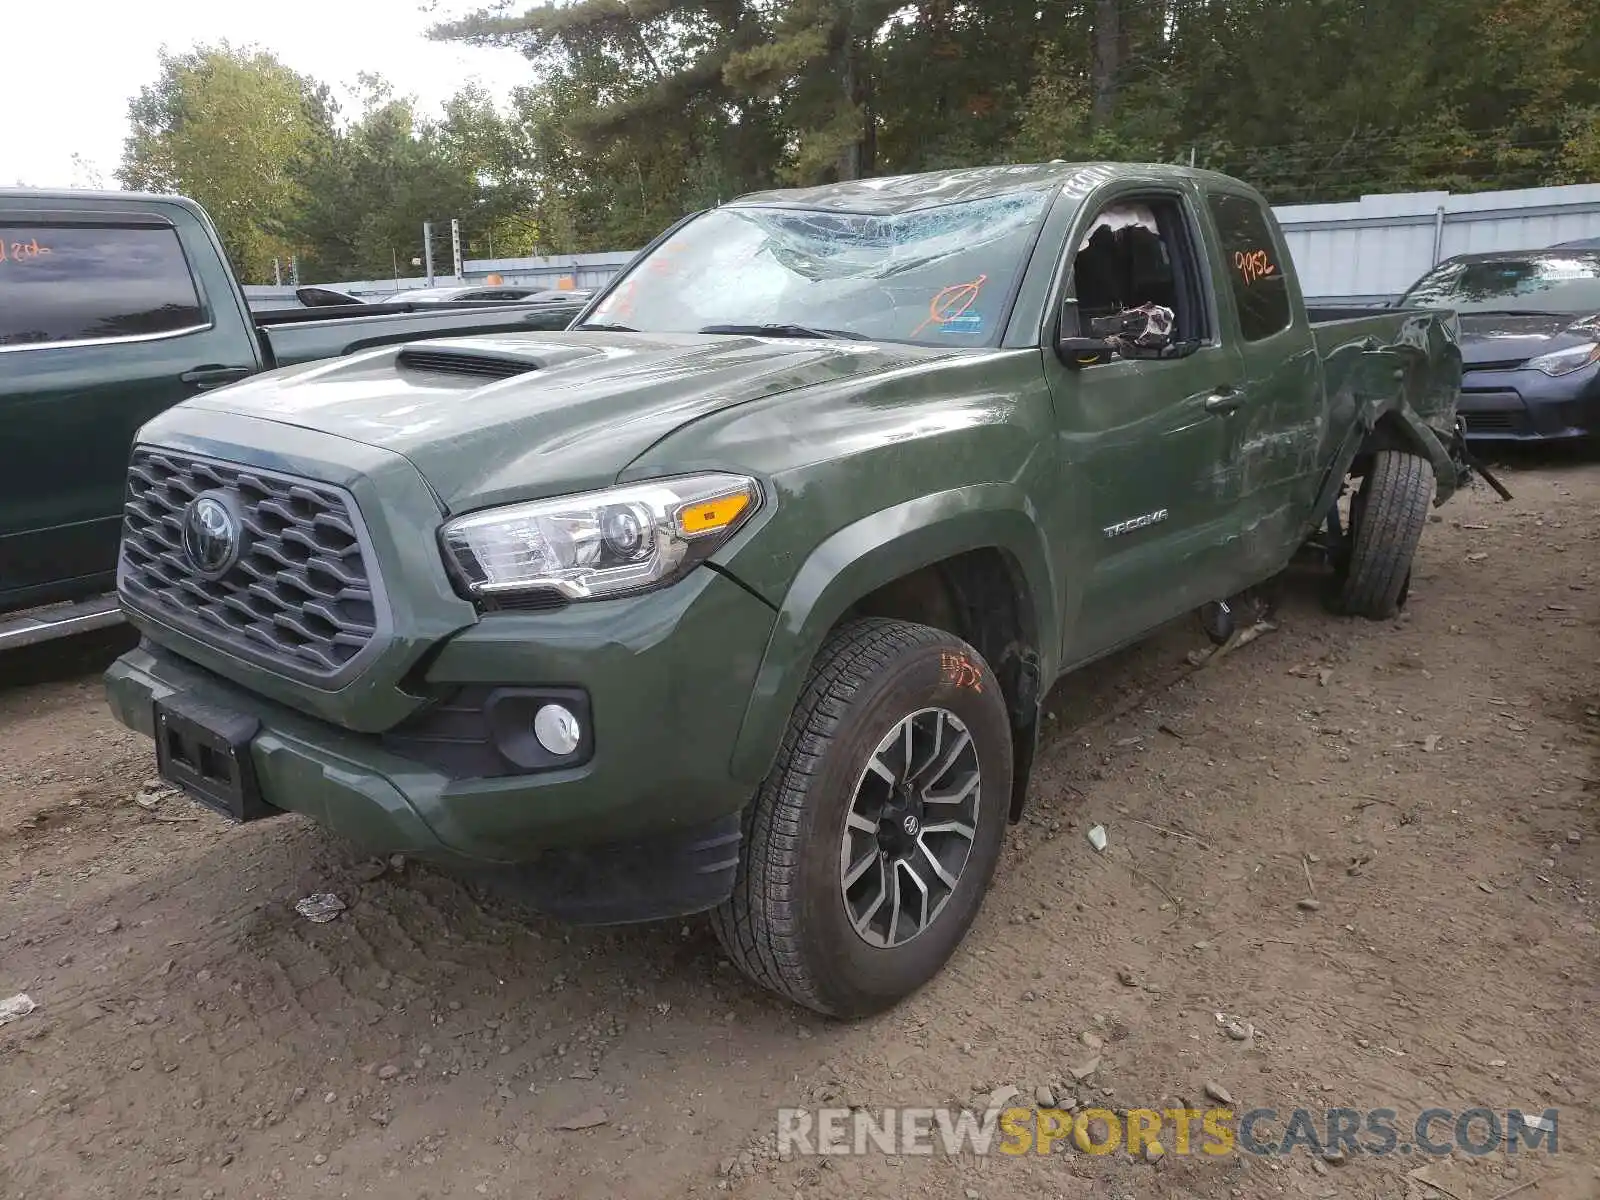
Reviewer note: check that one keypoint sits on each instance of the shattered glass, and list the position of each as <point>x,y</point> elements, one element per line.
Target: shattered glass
<point>938,275</point>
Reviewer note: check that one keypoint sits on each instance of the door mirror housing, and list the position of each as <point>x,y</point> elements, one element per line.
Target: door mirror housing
<point>1075,351</point>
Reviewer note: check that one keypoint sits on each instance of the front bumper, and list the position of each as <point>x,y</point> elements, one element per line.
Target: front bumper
<point>1530,406</point>
<point>667,674</point>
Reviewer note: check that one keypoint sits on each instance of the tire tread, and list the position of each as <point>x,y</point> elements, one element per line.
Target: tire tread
<point>757,924</point>
<point>1399,489</point>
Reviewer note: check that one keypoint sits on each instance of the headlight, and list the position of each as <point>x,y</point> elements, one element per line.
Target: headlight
<point>624,539</point>
<point>1565,362</point>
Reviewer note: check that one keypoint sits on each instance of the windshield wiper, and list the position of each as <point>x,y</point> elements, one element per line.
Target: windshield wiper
<point>787,331</point>
<point>606,326</point>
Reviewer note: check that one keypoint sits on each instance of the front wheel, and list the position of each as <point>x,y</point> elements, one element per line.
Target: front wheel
<point>871,843</point>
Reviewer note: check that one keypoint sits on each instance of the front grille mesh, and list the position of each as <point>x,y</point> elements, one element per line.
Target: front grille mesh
<point>300,595</point>
<point>1492,422</point>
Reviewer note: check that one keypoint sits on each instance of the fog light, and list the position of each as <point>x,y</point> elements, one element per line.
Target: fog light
<point>557,729</point>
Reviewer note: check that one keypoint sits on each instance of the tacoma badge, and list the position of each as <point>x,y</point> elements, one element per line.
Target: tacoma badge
<point>1128,526</point>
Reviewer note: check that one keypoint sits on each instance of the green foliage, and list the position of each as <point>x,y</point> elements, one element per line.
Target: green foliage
<point>225,126</point>
<point>367,193</point>
<point>638,111</point>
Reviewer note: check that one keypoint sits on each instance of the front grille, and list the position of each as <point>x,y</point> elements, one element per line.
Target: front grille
<point>543,600</point>
<point>1492,422</point>
<point>299,597</point>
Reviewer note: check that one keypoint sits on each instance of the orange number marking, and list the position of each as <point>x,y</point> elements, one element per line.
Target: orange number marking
<point>23,251</point>
<point>1254,265</point>
<point>959,671</point>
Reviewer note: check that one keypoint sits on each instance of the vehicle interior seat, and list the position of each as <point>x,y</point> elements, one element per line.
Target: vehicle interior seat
<point>1122,268</point>
<point>1150,277</point>
<point>1099,278</point>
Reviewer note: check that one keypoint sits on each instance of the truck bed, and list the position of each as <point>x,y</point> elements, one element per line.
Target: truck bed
<point>1371,353</point>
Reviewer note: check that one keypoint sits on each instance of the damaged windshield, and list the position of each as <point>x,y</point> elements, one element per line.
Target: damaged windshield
<point>940,276</point>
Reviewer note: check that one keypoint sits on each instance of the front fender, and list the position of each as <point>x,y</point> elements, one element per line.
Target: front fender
<point>1390,426</point>
<point>1424,439</point>
<point>876,550</point>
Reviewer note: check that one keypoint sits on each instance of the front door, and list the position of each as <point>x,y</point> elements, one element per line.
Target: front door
<point>1147,443</point>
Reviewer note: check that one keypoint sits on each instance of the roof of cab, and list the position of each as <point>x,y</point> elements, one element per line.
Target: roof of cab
<point>105,199</point>
<point>904,193</point>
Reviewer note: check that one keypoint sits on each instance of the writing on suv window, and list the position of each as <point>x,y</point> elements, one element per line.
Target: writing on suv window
<point>21,252</point>
<point>937,275</point>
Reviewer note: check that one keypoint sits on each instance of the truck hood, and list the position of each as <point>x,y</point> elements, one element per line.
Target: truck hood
<point>1503,340</point>
<point>493,420</point>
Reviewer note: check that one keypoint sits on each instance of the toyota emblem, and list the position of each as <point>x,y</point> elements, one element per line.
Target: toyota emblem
<point>213,534</point>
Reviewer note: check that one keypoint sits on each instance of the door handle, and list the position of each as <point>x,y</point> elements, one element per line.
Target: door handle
<point>206,378</point>
<point>1222,401</point>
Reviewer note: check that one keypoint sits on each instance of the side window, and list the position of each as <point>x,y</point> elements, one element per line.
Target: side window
<point>1260,288</point>
<point>1134,279</point>
<point>66,283</point>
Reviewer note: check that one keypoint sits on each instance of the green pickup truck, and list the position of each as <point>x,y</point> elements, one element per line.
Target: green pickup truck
<point>113,307</point>
<point>743,594</point>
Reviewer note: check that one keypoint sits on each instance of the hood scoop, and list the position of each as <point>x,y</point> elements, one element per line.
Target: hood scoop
<point>474,365</point>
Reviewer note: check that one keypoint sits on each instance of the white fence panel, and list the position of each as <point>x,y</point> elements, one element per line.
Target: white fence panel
<point>1364,251</point>
<point>1372,249</point>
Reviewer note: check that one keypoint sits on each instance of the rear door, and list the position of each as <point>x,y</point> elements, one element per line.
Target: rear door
<point>1281,419</point>
<point>102,326</point>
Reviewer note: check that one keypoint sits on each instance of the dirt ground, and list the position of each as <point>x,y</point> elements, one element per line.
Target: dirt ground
<point>1432,784</point>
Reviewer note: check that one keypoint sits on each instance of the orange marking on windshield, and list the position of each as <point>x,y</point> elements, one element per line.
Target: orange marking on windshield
<point>664,260</point>
<point>621,302</point>
<point>951,302</point>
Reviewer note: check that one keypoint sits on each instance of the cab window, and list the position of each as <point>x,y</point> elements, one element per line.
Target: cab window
<point>69,283</point>
<point>1254,266</point>
<point>1135,282</point>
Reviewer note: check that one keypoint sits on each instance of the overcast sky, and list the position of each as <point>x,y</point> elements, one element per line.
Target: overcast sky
<point>72,67</point>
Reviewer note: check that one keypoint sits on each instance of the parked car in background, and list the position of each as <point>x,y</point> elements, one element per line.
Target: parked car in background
<point>1530,340</point>
<point>113,307</point>
<point>490,294</point>
<point>324,297</point>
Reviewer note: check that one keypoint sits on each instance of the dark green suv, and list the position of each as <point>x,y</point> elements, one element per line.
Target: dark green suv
<point>114,306</point>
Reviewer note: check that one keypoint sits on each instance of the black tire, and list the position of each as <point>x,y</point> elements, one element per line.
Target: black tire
<point>786,925</point>
<point>1387,516</point>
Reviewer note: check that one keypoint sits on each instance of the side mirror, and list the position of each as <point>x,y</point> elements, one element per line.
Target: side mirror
<point>1075,351</point>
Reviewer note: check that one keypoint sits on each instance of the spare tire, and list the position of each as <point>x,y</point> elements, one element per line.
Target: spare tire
<point>1387,516</point>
